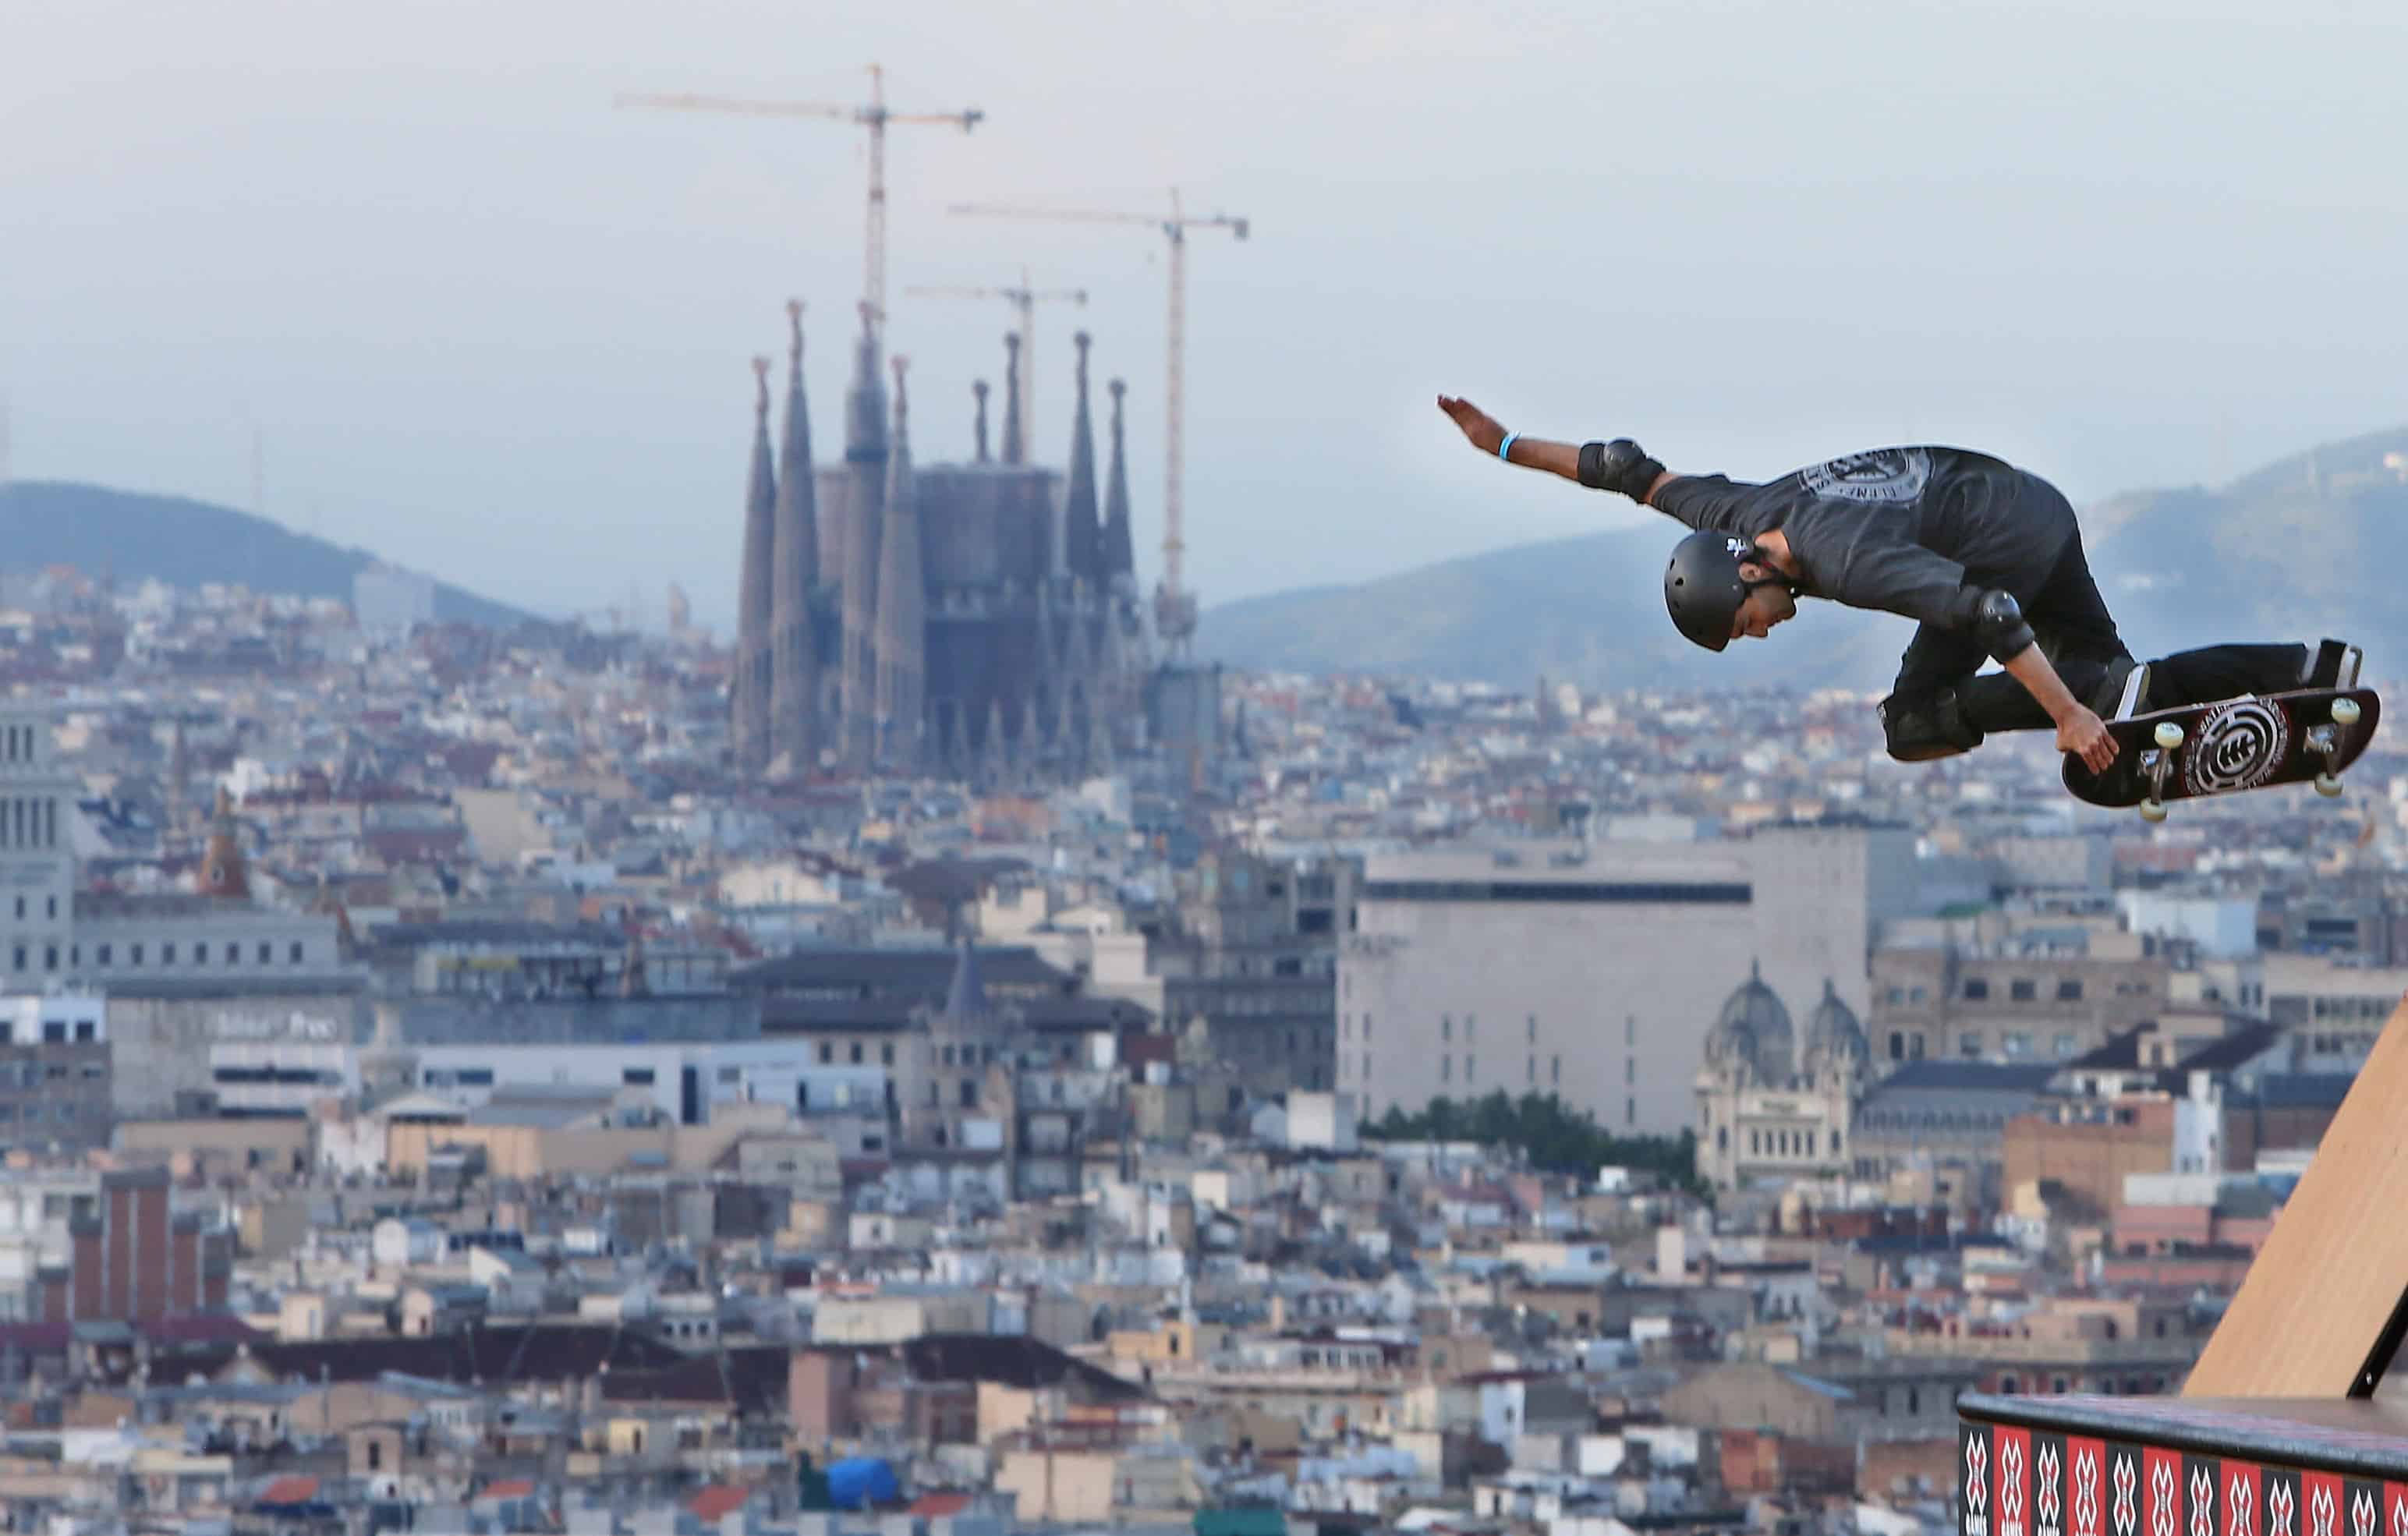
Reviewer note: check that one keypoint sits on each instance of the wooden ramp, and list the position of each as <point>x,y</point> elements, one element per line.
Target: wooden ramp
<point>2276,1432</point>
<point>2320,1312</point>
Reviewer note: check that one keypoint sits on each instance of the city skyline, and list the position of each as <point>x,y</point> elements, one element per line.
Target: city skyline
<point>471,312</point>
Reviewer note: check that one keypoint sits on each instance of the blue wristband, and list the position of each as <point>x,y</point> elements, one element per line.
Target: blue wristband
<point>1505,447</point>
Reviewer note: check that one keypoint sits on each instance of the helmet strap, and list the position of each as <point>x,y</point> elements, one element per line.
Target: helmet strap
<point>1755,555</point>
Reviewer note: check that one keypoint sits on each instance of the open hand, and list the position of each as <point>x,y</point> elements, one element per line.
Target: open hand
<point>2085,735</point>
<point>1478,425</point>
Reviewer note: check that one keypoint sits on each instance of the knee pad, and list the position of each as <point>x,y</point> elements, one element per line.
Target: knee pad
<point>1920,730</point>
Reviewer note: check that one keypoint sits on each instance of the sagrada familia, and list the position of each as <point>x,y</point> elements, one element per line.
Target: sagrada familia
<point>978,621</point>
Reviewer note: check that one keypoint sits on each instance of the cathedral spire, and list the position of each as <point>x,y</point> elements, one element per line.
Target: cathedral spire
<point>902,625</point>
<point>1013,449</point>
<point>1119,575</point>
<point>794,663</point>
<point>864,403</point>
<point>751,686</point>
<point>1067,738</point>
<point>1032,737</point>
<point>1083,537</point>
<point>995,752</point>
<point>865,455</point>
<point>978,392</point>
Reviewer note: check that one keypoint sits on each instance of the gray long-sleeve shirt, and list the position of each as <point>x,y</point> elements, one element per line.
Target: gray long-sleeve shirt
<point>1898,529</point>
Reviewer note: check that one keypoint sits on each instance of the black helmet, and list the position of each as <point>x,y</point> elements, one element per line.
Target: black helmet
<point>1703,587</point>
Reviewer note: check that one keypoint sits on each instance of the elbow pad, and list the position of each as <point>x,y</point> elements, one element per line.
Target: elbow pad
<point>1996,621</point>
<point>1620,466</point>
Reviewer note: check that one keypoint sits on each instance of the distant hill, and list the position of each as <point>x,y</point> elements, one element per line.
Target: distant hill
<point>2298,548</point>
<point>1589,610</point>
<point>134,537</point>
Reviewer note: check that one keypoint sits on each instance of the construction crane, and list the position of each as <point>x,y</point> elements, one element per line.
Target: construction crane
<point>1025,299</point>
<point>874,116</point>
<point>1174,606</point>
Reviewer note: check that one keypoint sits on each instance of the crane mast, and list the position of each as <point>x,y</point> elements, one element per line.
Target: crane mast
<point>1174,606</point>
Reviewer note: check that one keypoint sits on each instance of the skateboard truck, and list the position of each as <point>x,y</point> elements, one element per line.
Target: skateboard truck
<point>2155,766</point>
<point>2325,741</point>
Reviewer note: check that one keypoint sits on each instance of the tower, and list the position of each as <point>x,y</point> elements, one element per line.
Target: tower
<point>865,460</point>
<point>793,691</point>
<point>1012,450</point>
<point>752,684</point>
<point>902,623</point>
<point>1083,536</point>
<point>977,393</point>
<point>222,867</point>
<point>957,1061</point>
<point>1119,576</point>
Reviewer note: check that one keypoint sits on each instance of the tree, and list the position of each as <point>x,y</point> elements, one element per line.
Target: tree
<point>1549,1133</point>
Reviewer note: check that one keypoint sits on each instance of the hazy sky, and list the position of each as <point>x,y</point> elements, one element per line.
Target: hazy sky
<point>487,324</point>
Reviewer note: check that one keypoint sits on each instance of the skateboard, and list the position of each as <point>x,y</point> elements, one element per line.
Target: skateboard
<point>2309,736</point>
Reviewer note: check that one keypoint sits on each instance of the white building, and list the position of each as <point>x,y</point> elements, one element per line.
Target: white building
<point>178,969</point>
<point>389,604</point>
<point>282,1077</point>
<point>2222,926</point>
<point>1593,972</point>
<point>36,862</point>
<point>681,1082</point>
<point>1772,1106</point>
<point>1322,1121</point>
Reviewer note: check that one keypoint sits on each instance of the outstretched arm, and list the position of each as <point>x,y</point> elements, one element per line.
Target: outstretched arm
<point>1484,433</point>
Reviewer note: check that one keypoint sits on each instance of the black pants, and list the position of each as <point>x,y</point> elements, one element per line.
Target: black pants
<point>2076,633</point>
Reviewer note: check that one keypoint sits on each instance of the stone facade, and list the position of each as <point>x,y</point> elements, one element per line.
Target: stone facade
<point>1593,972</point>
<point>1014,646</point>
<point>1772,1108</point>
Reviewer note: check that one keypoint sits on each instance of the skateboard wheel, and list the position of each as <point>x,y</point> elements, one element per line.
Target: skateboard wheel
<point>2345,711</point>
<point>2153,811</point>
<point>2329,786</point>
<point>2168,735</point>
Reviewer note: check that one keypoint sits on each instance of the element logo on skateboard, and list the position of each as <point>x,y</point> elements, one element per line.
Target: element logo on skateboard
<point>2238,746</point>
<point>1890,476</point>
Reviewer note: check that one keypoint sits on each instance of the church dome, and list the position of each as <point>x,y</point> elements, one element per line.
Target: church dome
<point>1754,1027</point>
<point>1833,1034</point>
<point>1730,1041</point>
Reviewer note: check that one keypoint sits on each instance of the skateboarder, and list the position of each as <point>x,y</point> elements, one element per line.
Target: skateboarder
<point>1986,556</point>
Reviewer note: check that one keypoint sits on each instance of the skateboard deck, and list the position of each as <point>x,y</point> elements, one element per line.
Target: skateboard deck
<point>2311,734</point>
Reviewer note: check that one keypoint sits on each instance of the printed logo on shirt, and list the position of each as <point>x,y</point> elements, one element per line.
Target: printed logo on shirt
<point>1888,475</point>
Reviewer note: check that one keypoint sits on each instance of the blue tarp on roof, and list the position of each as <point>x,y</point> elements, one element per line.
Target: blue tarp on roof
<point>859,1481</point>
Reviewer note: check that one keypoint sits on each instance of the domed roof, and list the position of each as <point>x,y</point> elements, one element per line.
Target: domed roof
<point>1832,1029</point>
<point>1755,1008</point>
<point>1754,1027</point>
<point>1731,1039</point>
